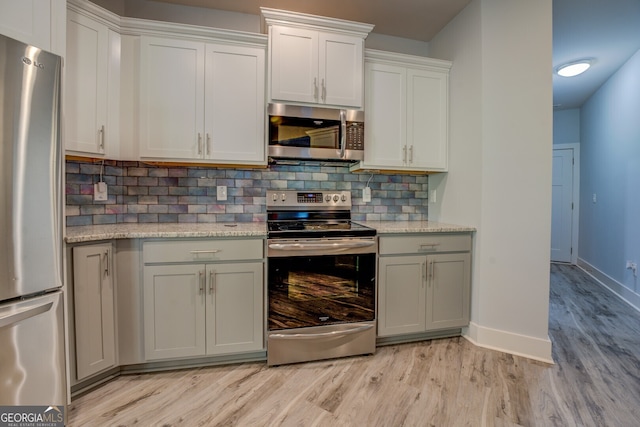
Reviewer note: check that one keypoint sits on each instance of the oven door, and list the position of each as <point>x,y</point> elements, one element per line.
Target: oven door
<point>321,299</point>
<point>319,282</point>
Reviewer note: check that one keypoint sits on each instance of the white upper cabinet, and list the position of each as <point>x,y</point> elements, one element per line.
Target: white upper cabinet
<point>92,75</point>
<point>40,23</point>
<point>201,101</point>
<point>315,60</point>
<point>294,64</point>
<point>406,113</point>
<point>171,98</point>
<point>235,104</point>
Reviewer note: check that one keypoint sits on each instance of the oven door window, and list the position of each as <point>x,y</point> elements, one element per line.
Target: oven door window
<point>321,290</point>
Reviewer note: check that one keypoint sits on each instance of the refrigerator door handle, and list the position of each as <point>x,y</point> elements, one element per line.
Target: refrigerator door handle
<point>23,314</point>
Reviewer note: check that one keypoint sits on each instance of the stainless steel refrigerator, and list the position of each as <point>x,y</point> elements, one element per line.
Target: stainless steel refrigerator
<point>32,357</point>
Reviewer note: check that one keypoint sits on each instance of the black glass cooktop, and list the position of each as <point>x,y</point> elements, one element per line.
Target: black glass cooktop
<point>321,228</point>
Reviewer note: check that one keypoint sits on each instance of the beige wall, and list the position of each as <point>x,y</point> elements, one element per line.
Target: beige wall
<point>147,9</point>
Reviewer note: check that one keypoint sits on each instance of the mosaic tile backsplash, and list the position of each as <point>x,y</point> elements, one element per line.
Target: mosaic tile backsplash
<point>142,193</point>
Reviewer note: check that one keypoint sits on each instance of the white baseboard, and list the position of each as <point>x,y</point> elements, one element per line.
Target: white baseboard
<point>625,294</point>
<point>508,342</point>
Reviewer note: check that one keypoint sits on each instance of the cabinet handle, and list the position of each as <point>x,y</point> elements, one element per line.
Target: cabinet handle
<point>315,88</point>
<point>199,143</point>
<point>432,273</point>
<point>106,263</point>
<point>101,132</point>
<point>428,246</point>
<point>424,273</point>
<point>201,280</point>
<point>205,251</point>
<point>324,91</point>
<point>208,144</point>
<point>404,154</point>
<point>212,281</point>
<point>411,154</point>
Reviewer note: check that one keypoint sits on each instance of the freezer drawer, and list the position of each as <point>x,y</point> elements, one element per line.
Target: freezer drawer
<point>32,366</point>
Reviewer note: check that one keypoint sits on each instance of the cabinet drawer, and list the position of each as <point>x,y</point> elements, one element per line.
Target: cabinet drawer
<point>425,243</point>
<point>204,250</point>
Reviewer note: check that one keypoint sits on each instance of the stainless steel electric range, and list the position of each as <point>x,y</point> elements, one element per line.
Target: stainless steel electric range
<point>321,278</point>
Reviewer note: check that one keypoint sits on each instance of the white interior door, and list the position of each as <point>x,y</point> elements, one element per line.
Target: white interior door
<point>562,205</point>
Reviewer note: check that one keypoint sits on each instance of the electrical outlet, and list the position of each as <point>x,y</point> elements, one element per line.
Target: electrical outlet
<point>221,192</point>
<point>433,196</point>
<point>633,266</point>
<point>366,194</point>
<point>100,192</point>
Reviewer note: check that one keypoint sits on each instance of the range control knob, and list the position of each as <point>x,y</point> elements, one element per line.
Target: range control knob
<point>327,197</point>
<point>283,197</point>
<point>344,197</point>
<point>274,196</point>
<point>336,198</point>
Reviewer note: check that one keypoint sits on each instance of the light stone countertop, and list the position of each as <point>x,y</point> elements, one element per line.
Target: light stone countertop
<point>399,227</point>
<point>91,233</point>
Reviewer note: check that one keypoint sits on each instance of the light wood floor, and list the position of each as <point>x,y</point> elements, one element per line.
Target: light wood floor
<point>447,382</point>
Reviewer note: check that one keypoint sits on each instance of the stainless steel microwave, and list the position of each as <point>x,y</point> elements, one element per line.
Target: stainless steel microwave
<point>312,133</point>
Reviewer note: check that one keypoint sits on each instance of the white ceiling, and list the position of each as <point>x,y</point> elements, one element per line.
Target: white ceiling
<point>606,30</point>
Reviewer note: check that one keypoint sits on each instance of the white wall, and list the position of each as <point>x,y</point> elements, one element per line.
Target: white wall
<point>610,165</point>
<point>499,177</point>
<point>566,126</point>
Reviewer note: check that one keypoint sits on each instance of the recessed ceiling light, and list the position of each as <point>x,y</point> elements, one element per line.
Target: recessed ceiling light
<point>574,68</point>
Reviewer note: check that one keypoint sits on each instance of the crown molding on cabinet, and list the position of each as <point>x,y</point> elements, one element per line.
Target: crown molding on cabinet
<point>406,60</point>
<point>138,27</point>
<point>95,12</point>
<point>304,20</point>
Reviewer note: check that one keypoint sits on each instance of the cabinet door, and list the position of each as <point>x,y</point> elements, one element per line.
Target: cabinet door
<point>234,105</point>
<point>235,308</point>
<point>341,70</point>
<point>174,311</point>
<point>28,21</point>
<point>448,293</point>
<point>401,295</point>
<point>427,122</point>
<point>93,309</point>
<point>171,98</point>
<point>294,64</point>
<point>385,115</point>
<point>86,88</point>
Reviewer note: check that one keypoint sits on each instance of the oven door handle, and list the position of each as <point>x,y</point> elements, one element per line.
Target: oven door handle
<point>315,246</point>
<point>331,334</point>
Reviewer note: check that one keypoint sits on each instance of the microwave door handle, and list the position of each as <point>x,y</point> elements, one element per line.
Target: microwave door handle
<point>343,132</point>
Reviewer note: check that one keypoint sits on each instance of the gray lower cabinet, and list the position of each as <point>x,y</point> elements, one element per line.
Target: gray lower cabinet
<point>202,297</point>
<point>423,283</point>
<point>94,309</point>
